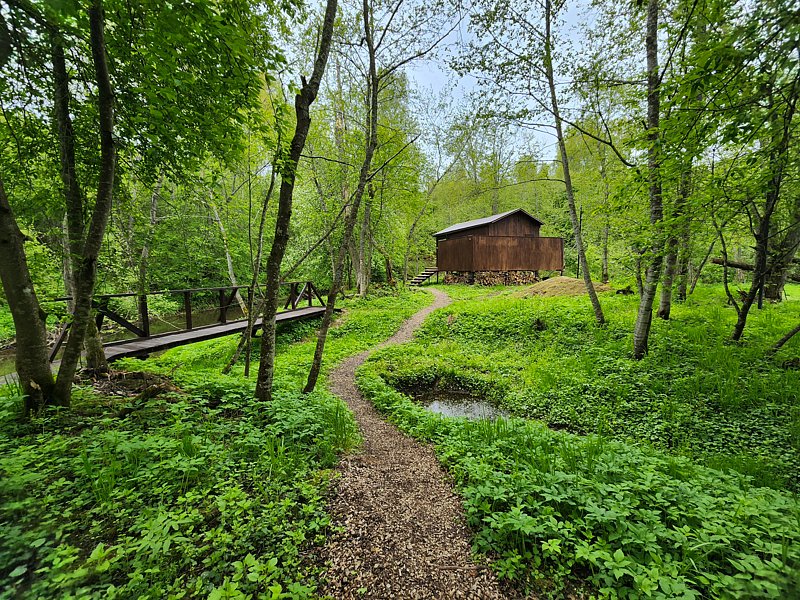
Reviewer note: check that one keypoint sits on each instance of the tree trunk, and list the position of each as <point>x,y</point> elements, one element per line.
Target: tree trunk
<point>32,359</point>
<point>84,265</point>
<point>144,256</point>
<point>562,146</point>
<point>604,275</point>
<point>673,245</point>
<point>782,252</point>
<point>778,162</point>
<point>684,258</point>
<point>644,318</point>
<point>369,149</point>
<point>228,258</point>
<point>246,339</point>
<point>638,269</point>
<point>93,345</point>
<point>789,335</point>
<point>302,103</point>
<point>364,270</point>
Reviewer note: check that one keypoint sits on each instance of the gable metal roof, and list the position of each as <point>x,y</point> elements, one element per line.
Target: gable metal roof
<point>484,221</point>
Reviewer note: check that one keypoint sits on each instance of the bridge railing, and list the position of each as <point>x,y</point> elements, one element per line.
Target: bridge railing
<point>299,293</point>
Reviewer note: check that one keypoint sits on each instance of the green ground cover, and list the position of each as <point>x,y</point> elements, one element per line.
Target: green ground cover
<point>202,492</point>
<point>6,325</point>
<point>627,502</point>
<point>724,405</point>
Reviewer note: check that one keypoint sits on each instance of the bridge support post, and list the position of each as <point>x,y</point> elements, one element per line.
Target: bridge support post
<point>144,316</point>
<point>223,308</point>
<point>187,308</point>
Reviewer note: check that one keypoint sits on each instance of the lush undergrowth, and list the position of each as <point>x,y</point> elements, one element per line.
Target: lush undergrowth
<point>641,515</point>
<point>198,492</point>
<point>6,325</point>
<point>725,405</point>
<point>555,509</point>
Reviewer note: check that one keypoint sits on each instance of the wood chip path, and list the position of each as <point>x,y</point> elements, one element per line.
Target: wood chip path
<point>404,533</point>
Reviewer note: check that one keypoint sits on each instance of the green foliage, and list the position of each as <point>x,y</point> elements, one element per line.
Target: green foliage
<point>204,492</point>
<point>554,508</point>
<point>695,394</point>
<point>622,514</point>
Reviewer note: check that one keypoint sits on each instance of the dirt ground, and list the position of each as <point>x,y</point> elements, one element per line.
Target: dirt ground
<point>561,286</point>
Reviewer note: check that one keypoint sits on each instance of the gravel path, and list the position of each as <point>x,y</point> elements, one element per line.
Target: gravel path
<point>404,530</point>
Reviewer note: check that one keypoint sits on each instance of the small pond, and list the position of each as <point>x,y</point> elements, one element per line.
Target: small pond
<point>453,403</point>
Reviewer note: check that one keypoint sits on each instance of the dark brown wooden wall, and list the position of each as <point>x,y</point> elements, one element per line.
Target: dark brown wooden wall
<point>500,253</point>
<point>518,225</point>
<point>455,253</point>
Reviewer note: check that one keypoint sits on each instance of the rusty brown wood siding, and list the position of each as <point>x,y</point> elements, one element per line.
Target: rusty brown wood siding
<point>500,253</point>
<point>516,225</point>
<point>455,254</point>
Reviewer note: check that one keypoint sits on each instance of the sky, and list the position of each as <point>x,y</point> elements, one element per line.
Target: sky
<point>433,74</point>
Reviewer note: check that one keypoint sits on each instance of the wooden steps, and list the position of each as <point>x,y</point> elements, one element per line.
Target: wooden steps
<point>424,276</point>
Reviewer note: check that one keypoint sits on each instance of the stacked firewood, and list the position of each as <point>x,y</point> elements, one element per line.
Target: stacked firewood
<point>492,277</point>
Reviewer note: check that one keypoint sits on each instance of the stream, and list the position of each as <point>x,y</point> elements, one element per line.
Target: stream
<point>163,324</point>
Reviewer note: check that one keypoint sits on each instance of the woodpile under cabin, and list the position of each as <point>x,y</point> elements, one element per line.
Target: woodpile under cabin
<point>504,249</point>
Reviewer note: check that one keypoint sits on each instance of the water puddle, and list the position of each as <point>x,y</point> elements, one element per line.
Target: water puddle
<point>449,403</point>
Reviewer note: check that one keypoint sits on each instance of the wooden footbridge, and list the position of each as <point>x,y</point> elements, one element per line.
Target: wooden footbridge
<point>303,302</point>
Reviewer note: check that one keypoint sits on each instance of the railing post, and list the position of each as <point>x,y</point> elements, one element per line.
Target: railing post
<point>144,317</point>
<point>309,286</point>
<point>223,310</point>
<point>187,308</point>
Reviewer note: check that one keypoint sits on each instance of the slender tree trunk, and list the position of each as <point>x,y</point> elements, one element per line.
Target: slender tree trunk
<point>84,266</point>
<point>684,259</point>
<point>562,146</point>
<point>144,256</point>
<point>350,221</point>
<point>245,341</point>
<point>644,318</point>
<point>673,246</point>
<point>782,252</point>
<point>302,103</point>
<point>32,364</point>
<point>604,275</point>
<point>778,161</point>
<point>789,335</point>
<point>638,269</point>
<point>228,258</point>
<point>364,271</point>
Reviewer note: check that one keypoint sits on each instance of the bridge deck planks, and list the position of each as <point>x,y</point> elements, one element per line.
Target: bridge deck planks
<point>156,343</point>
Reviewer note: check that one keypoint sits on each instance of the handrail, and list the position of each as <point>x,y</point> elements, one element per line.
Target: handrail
<point>298,291</point>
<point>176,291</point>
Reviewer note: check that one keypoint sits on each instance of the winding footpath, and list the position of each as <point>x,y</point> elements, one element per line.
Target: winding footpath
<point>403,532</point>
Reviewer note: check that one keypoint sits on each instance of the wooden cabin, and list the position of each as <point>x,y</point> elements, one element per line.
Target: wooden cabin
<point>504,243</point>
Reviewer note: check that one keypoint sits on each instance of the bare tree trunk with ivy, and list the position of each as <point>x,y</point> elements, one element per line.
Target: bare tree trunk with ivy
<point>302,103</point>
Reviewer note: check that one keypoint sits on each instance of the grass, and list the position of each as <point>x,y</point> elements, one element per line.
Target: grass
<point>201,492</point>
<point>655,488</point>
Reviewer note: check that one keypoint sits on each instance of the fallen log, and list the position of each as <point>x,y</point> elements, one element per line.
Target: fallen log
<point>748,267</point>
